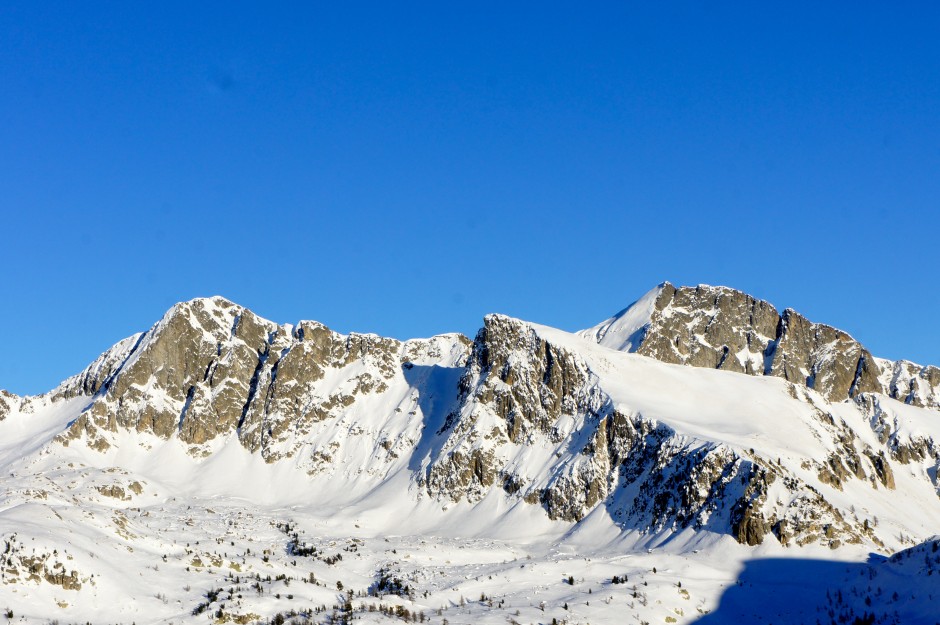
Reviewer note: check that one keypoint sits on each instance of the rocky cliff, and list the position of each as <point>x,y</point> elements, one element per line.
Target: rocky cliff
<point>722,328</point>
<point>537,417</point>
<point>211,369</point>
<point>535,420</point>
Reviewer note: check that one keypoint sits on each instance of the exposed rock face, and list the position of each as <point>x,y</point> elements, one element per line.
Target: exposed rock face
<point>519,391</point>
<point>902,444</point>
<point>523,396</point>
<point>188,376</point>
<point>722,328</point>
<point>287,399</point>
<point>521,412</point>
<point>211,368</point>
<point>7,402</point>
<point>910,383</point>
<point>102,371</point>
<point>18,563</point>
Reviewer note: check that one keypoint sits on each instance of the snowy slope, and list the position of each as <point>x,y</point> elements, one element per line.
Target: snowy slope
<point>625,330</point>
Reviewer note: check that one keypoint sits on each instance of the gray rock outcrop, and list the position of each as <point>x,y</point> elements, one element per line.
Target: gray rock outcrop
<point>721,328</point>
<point>211,368</point>
<point>518,411</point>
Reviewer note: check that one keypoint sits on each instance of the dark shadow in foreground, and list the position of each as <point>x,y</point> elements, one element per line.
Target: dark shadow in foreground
<point>904,589</point>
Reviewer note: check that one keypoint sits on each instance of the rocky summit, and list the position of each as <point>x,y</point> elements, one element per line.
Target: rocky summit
<point>699,421</point>
<point>722,328</point>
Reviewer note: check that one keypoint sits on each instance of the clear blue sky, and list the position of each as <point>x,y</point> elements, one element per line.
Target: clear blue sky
<point>407,168</point>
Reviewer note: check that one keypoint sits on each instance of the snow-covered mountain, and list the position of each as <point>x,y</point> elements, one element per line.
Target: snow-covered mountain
<point>698,429</point>
<point>721,328</point>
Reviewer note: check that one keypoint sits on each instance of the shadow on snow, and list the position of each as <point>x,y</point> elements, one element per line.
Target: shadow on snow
<point>809,591</point>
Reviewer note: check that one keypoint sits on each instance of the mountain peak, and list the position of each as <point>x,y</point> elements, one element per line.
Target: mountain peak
<point>724,328</point>
<point>199,304</point>
<point>626,330</point>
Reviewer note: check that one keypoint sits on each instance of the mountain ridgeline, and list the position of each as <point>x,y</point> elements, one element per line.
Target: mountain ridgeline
<point>722,328</point>
<point>622,420</point>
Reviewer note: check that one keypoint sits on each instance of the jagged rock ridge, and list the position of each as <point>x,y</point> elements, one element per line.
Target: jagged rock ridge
<point>534,415</point>
<point>719,327</point>
<point>211,368</point>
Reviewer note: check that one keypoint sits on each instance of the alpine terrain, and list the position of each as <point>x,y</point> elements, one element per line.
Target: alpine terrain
<point>699,457</point>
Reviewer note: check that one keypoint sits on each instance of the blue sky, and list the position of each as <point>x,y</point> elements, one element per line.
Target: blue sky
<point>406,169</point>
